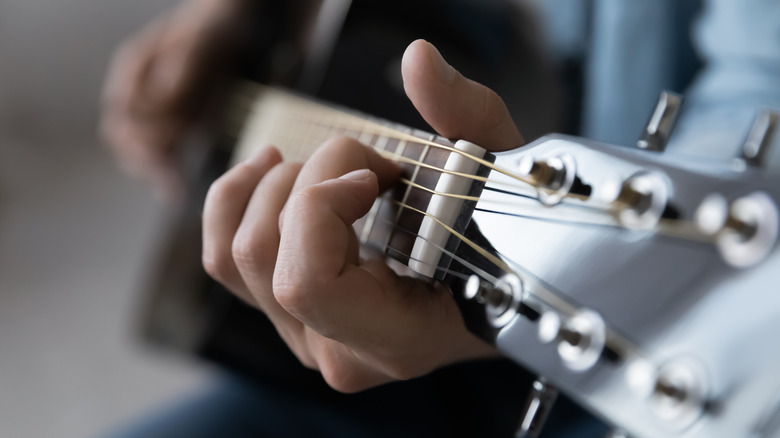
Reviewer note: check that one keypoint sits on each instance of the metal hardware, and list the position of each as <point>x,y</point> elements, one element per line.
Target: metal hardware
<point>662,120</point>
<point>549,327</point>
<point>540,403</point>
<point>745,231</point>
<point>554,177</point>
<point>755,149</point>
<point>711,215</point>
<point>680,393</point>
<point>642,200</point>
<point>582,340</point>
<point>502,301</point>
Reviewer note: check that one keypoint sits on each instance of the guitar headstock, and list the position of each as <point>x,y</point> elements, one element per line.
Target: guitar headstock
<point>642,284</point>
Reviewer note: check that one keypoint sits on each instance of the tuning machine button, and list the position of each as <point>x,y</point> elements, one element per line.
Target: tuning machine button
<point>642,200</point>
<point>755,149</point>
<point>677,391</point>
<point>537,409</point>
<point>553,177</point>
<point>503,301</point>
<point>745,231</point>
<point>662,120</point>
<point>581,339</point>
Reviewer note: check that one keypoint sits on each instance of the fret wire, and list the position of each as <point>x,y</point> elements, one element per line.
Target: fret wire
<point>399,150</point>
<point>371,217</point>
<point>413,177</point>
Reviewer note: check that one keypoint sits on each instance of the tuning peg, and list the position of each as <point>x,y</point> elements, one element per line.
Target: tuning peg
<point>755,149</point>
<point>553,177</point>
<point>676,391</point>
<point>581,338</point>
<point>679,395</point>
<point>662,120</point>
<point>642,200</point>
<point>540,403</point>
<point>503,301</point>
<point>745,230</point>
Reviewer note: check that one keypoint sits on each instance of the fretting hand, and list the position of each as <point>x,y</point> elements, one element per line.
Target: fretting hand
<point>280,236</point>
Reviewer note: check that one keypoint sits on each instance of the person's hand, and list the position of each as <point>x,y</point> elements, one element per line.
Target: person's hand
<point>280,236</point>
<point>160,80</point>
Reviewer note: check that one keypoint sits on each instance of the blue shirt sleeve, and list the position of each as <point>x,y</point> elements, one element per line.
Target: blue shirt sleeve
<point>740,44</point>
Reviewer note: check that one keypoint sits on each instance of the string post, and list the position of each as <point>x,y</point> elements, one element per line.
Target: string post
<point>503,301</point>
<point>582,340</point>
<point>679,394</point>
<point>642,200</point>
<point>483,293</point>
<point>553,177</point>
<point>745,231</point>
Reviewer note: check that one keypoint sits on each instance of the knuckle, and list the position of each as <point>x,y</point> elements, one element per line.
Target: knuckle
<point>250,250</point>
<point>217,264</point>
<point>341,375</point>
<point>292,294</point>
<point>305,204</point>
<point>227,187</point>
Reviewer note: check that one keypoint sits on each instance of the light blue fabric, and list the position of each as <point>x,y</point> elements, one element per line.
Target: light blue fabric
<point>740,40</point>
<point>633,49</point>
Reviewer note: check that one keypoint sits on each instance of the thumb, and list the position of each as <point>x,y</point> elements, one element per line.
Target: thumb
<point>456,107</point>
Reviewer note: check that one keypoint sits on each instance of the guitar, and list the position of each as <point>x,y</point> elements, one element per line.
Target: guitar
<point>641,285</point>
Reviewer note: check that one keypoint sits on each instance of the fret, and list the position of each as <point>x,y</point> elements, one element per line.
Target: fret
<point>405,219</point>
<point>378,143</point>
<point>297,127</point>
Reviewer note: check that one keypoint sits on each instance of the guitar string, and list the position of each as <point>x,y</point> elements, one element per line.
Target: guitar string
<point>481,272</point>
<point>447,271</point>
<point>666,228</point>
<point>396,134</point>
<point>472,244</point>
<point>672,227</point>
<point>484,253</point>
<point>539,291</point>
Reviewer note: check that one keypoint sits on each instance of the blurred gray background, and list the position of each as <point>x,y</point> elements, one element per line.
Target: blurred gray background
<point>76,237</point>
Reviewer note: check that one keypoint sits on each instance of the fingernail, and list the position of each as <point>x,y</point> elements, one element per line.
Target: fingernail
<point>357,175</point>
<point>445,72</point>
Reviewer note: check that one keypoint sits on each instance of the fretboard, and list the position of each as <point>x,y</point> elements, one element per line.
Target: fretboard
<point>297,126</point>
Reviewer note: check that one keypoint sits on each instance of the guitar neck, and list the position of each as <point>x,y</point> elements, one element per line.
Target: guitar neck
<point>297,126</point>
